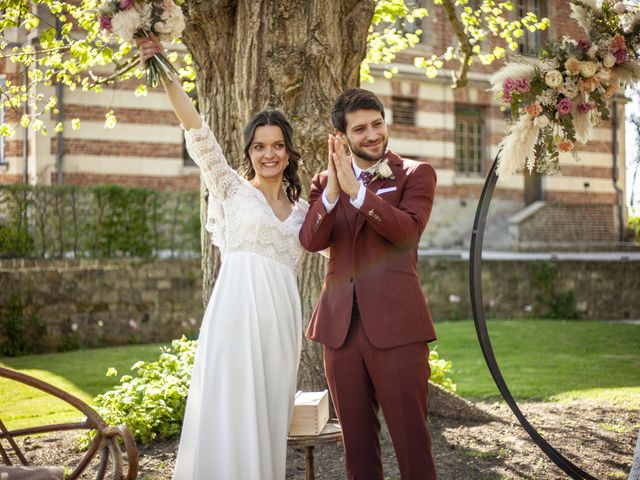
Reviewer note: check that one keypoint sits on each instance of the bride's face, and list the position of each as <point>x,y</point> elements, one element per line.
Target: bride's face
<point>268,152</point>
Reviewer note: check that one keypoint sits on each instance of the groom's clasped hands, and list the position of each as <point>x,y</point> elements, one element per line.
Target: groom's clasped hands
<point>340,173</point>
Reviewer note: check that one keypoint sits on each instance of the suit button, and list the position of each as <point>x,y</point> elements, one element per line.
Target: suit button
<point>351,280</point>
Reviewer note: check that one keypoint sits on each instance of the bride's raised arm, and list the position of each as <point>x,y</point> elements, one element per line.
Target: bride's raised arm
<point>222,181</point>
<point>180,101</point>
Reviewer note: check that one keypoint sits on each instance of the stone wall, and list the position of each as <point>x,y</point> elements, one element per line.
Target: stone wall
<point>90,303</point>
<point>602,290</point>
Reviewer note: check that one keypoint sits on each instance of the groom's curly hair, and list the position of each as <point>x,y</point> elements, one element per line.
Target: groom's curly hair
<point>290,178</point>
<point>350,101</point>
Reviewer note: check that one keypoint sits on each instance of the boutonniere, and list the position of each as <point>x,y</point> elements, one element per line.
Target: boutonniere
<point>383,170</point>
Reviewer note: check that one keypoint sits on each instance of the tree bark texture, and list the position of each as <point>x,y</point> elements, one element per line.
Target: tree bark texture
<point>296,56</point>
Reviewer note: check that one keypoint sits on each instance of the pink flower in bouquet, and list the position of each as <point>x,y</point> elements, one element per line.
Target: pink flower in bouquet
<point>166,4</point>
<point>124,4</point>
<point>565,145</point>
<point>523,85</point>
<point>533,110</point>
<point>585,45</point>
<point>585,107</point>
<point>105,22</point>
<point>621,56</point>
<point>617,43</point>
<point>564,106</point>
<point>508,86</point>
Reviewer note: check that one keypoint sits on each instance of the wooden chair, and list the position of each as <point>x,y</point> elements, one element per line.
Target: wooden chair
<point>105,444</point>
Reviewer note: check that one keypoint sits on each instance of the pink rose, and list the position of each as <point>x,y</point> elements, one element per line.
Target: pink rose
<point>509,85</point>
<point>585,107</point>
<point>105,22</point>
<point>564,106</point>
<point>124,4</point>
<point>565,145</point>
<point>621,56</point>
<point>584,44</point>
<point>523,85</point>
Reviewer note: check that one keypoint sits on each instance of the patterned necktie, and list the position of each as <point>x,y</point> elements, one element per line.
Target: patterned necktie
<point>366,177</point>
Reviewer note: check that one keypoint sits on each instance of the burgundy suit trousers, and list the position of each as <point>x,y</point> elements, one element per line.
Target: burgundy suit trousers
<point>363,378</point>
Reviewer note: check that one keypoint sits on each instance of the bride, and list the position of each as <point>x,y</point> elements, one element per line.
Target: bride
<point>242,391</point>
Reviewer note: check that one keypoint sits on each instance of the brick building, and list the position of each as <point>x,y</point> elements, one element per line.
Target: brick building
<point>457,130</point>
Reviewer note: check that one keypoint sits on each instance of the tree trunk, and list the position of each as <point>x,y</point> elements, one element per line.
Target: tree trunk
<point>296,56</point>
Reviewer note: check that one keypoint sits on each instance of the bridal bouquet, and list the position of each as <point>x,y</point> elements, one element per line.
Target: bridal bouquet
<point>558,99</point>
<point>132,19</point>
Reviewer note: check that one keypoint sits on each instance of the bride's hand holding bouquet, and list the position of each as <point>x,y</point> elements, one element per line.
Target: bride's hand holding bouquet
<point>134,20</point>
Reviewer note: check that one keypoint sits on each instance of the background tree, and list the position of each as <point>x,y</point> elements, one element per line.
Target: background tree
<point>249,55</point>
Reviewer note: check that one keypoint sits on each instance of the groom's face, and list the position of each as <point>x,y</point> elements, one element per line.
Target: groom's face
<point>366,134</point>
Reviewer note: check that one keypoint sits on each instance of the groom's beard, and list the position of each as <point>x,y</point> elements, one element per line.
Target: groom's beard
<point>367,156</point>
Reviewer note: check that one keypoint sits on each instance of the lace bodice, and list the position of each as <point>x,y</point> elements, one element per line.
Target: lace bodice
<point>238,215</point>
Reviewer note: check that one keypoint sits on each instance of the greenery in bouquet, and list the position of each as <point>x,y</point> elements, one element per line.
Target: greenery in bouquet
<point>129,20</point>
<point>557,100</point>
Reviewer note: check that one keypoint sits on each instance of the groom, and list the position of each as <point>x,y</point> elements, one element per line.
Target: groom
<point>370,209</point>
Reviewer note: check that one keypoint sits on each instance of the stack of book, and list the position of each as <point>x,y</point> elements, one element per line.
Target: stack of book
<point>310,414</point>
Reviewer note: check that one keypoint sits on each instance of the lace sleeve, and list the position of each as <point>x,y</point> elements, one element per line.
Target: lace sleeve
<point>222,181</point>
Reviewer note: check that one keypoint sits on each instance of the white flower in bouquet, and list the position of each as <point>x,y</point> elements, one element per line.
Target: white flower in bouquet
<point>609,60</point>
<point>541,121</point>
<point>620,8</point>
<point>125,23</point>
<point>569,88</point>
<point>588,69</point>
<point>144,9</point>
<point>172,22</point>
<point>549,64</point>
<point>604,75</point>
<point>548,97</point>
<point>553,79</point>
<point>591,53</point>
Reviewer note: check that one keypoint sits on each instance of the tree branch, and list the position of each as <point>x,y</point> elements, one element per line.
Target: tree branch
<point>460,78</point>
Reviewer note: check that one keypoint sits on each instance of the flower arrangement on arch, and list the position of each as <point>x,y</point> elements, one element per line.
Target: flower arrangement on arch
<point>558,99</point>
<point>129,20</point>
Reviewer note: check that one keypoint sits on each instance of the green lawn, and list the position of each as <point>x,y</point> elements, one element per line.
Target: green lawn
<point>82,373</point>
<point>547,359</point>
<point>540,359</point>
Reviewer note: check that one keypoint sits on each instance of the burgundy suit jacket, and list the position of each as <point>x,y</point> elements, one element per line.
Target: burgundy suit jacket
<point>374,251</point>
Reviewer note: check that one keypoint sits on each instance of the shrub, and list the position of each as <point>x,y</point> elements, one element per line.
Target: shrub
<point>152,402</point>
<point>103,221</point>
<point>634,228</point>
<point>19,334</point>
<point>439,368</point>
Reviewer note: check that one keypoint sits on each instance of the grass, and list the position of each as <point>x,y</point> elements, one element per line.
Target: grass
<point>81,373</point>
<point>540,359</point>
<point>547,359</point>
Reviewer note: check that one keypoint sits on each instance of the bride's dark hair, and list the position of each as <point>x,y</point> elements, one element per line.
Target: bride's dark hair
<point>290,177</point>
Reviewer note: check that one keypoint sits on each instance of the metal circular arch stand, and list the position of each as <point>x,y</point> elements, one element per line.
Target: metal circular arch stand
<point>475,289</point>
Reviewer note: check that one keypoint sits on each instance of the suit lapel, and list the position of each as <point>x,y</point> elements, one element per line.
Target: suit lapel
<point>395,163</point>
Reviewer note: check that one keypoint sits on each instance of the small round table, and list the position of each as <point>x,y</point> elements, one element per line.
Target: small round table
<point>331,433</point>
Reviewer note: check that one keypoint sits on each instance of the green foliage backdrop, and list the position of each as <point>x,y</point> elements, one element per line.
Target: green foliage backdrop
<point>105,221</point>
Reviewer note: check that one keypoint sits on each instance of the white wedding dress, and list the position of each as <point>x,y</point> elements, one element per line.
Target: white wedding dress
<point>244,377</point>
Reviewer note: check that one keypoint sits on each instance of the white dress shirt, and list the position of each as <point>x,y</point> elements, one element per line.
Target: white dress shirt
<point>359,200</point>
